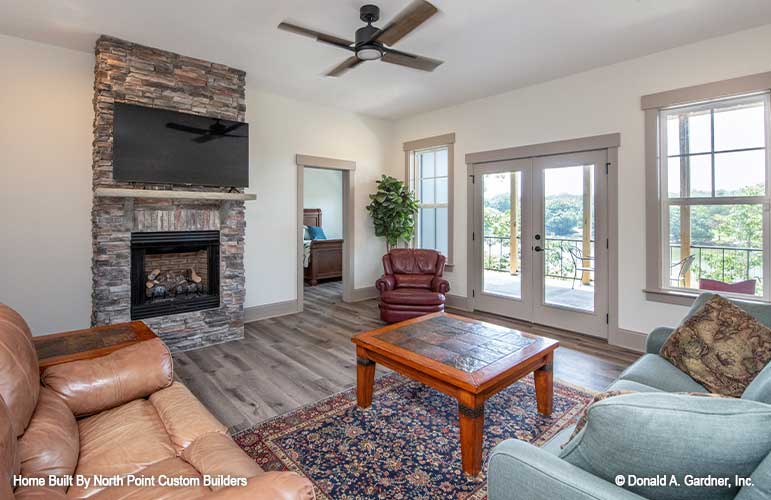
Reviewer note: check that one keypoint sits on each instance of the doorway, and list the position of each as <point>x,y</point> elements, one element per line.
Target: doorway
<point>540,240</point>
<point>334,256</point>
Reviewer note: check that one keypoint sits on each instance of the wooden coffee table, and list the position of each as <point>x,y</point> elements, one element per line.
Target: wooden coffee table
<point>467,359</point>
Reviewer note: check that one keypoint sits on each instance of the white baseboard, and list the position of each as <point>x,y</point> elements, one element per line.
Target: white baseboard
<point>458,302</point>
<point>628,339</point>
<point>265,311</point>
<point>366,293</point>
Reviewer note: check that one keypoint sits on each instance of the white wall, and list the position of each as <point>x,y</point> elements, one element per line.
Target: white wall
<point>46,120</point>
<point>281,128</point>
<point>600,101</point>
<point>323,188</point>
<point>46,117</point>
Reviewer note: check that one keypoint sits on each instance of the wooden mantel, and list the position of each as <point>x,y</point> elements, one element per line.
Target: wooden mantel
<point>188,195</point>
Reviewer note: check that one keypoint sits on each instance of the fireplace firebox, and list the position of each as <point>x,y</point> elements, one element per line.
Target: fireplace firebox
<point>174,272</point>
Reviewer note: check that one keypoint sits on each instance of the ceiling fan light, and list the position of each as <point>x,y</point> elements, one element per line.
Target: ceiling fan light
<point>369,52</point>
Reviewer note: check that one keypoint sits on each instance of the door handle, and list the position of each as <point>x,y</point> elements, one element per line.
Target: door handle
<point>538,249</point>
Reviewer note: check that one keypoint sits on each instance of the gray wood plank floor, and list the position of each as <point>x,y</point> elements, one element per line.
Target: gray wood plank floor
<point>287,362</point>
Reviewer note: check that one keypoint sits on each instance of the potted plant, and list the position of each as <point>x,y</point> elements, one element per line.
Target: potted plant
<point>393,209</point>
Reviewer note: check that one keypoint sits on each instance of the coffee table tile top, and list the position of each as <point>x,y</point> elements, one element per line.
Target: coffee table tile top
<point>467,346</point>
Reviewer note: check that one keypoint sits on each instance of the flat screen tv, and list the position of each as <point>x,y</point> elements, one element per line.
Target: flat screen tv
<point>160,146</point>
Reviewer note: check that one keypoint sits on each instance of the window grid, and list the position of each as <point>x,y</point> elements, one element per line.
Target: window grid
<point>687,199</point>
<point>416,183</point>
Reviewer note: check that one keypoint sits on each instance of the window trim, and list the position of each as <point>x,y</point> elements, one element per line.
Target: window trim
<point>652,105</point>
<point>438,141</point>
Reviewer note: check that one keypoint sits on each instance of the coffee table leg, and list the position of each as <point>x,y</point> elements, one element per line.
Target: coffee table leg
<point>544,385</point>
<point>472,420</point>
<point>365,378</point>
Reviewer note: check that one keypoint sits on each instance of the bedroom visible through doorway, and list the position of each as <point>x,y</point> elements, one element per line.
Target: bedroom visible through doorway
<point>322,233</point>
<point>325,230</point>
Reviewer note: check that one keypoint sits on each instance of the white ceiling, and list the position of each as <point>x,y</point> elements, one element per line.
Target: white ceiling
<point>489,46</point>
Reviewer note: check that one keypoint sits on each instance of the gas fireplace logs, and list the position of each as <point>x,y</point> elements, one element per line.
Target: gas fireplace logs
<point>160,286</point>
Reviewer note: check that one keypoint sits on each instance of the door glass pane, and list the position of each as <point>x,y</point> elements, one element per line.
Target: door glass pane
<point>717,247</point>
<point>502,233</point>
<point>569,240</point>
<point>427,228</point>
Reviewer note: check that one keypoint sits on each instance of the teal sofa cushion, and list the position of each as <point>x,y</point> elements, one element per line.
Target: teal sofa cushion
<point>654,434</point>
<point>654,371</point>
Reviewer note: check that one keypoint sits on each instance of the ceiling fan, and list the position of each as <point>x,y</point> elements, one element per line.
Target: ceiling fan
<point>374,43</point>
<point>215,130</point>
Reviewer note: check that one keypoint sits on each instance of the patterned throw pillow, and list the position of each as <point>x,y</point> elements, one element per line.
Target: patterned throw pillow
<point>720,346</point>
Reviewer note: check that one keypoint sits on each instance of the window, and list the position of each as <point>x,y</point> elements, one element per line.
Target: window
<point>429,174</point>
<point>713,171</point>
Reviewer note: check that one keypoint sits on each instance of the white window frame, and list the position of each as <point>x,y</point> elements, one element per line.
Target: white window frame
<point>411,150</point>
<point>658,287</point>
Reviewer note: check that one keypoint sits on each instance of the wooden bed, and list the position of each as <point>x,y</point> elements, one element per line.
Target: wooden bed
<point>326,258</point>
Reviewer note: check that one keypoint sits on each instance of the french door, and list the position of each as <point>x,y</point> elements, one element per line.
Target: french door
<point>540,240</point>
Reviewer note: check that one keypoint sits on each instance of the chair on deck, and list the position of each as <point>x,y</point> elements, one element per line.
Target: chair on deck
<point>578,264</point>
<point>683,267</point>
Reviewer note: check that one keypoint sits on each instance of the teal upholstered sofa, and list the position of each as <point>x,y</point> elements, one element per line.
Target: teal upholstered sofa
<point>521,471</point>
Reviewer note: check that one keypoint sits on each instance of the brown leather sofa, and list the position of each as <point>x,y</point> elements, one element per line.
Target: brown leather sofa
<point>119,415</point>
<point>412,284</point>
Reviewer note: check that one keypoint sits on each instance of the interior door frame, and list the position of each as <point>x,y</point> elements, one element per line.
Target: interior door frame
<point>611,143</point>
<point>349,195</point>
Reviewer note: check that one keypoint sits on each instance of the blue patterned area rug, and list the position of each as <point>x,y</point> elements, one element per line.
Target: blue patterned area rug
<point>406,445</point>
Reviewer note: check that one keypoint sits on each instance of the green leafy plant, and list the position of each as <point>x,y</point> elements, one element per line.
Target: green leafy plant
<point>393,209</point>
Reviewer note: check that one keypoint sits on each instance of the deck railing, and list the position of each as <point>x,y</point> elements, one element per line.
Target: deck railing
<point>723,263</point>
<point>559,263</point>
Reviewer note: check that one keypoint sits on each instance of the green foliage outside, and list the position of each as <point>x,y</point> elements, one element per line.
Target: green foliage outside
<point>725,231</point>
<point>736,231</point>
<point>393,209</point>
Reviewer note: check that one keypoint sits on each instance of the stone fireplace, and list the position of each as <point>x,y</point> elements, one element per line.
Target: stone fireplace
<point>174,272</point>
<point>133,222</point>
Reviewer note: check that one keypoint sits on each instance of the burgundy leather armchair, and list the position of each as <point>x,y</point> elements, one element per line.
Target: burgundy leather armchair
<point>412,284</point>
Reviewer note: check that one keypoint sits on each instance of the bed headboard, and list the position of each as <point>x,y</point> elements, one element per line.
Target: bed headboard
<point>312,217</point>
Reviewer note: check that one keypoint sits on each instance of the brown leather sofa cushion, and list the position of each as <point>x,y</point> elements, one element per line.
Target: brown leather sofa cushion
<point>172,468</point>
<point>183,416</point>
<point>408,296</point>
<point>413,280</point>
<point>19,372</point>
<point>9,456</point>
<point>50,445</point>
<point>216,454</point>
<point>269,486</point>
<point>93,385</point>
<point>412,261</point>
<point>123,440</point>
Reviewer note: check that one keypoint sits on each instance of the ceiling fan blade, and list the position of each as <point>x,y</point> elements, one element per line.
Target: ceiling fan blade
<point>418,12</point>
<point>232,128</point>
<point>410,60</point>
<point>185,128</point>
<point>205,138</point>
<point>344,66</point>
<point>317,35</point>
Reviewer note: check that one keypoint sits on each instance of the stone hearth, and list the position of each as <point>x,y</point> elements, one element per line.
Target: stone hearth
<point>127,72</point>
